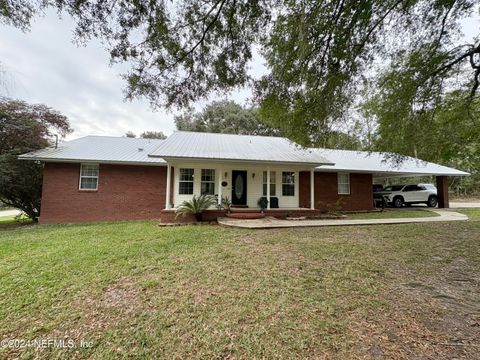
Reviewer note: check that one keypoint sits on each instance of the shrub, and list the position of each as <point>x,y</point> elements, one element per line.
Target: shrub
<point>196,206</point>
<point>263,203</point>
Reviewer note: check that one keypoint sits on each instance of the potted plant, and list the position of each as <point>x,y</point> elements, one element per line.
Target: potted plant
<point>196,206</point>
<point>226,203</point>
<point>263,203</point>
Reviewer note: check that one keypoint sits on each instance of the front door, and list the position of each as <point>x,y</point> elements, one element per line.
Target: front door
<point>239,187</point>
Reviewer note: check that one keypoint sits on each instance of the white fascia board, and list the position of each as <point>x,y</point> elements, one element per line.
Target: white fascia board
<point>221,160</point>
<point>93,161</point>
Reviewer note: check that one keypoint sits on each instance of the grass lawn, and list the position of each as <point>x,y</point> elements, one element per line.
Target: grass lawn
<point>134,289</point>
<point>10,222</point>
<point>7,219</point>
<point>390,214</point>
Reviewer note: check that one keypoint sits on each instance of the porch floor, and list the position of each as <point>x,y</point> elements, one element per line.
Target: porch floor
<point>271,222</point>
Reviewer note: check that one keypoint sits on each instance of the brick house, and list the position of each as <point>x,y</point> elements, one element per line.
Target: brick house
<point>99,178</point>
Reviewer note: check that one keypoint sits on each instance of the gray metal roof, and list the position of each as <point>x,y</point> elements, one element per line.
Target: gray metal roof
<point>106,149</point>
<point>191,145</point>
<point>195,145</point>
<point>382,164</point>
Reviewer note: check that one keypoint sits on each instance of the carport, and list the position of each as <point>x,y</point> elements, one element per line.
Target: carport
<point>441,183</point>
<point>391,166</point>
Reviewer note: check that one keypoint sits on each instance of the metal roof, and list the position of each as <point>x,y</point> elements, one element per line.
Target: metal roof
<point>382,164</point>
<point>191,145</point>
<point>208,146</point>
<point>107,149</point>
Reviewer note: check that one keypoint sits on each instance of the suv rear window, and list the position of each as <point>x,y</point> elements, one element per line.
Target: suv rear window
<point>412,188</point>
<point>393,188</point>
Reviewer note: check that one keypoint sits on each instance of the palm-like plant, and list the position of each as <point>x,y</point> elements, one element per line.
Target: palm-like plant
<point>196,206</point>
<point>226,203</point>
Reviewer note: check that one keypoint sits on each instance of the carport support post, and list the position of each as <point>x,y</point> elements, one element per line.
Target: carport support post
<point>268,187</point>
<point>167,192</point>
<point>442,192</point>
<point>312,189</point>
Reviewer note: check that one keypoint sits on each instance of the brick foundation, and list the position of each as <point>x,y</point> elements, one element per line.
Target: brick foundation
<point>168,215</point>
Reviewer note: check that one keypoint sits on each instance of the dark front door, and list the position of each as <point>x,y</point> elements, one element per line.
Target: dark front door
<point>239,187</point>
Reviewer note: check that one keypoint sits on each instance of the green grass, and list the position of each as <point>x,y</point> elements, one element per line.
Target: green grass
<point>390,214</point>
<point>7,222</point>
<point>473,213</point>
<point>135,289</point>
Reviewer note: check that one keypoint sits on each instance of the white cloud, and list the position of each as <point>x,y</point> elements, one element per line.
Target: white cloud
<point>44,66</point>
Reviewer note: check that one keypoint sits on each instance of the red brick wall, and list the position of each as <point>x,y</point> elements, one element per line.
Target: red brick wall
<point>326,191</point>
<point>124,193</point>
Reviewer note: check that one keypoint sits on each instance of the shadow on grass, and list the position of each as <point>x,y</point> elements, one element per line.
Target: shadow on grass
<point>13,222</point>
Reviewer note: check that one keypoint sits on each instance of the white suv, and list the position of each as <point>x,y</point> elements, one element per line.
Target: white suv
<point>398,195</point>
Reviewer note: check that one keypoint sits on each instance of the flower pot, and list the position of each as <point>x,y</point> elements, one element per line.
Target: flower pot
<point>199,216</point>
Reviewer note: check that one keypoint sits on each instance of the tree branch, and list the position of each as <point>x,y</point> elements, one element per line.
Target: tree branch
<point>205,31</point>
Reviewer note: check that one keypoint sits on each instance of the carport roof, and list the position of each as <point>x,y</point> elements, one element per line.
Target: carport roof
<point>383,164</point>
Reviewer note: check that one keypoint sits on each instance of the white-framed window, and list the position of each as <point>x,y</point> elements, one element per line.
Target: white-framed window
<point>207,183</point>
<point>273,183</point>
<point>88,177</point>
<point>185,185</point>
<point>343,180</point>
<point>288,183</point>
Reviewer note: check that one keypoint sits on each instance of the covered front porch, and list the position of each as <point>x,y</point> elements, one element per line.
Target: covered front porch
<point>243,184</point>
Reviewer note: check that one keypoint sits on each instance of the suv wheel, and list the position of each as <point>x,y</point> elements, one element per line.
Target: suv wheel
<point>398,202</point>
<point>432,201</point>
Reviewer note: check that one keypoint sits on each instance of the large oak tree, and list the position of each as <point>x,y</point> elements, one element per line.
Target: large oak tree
<point>225,117</point>
<point>318,53</point>
<point>24,128</point>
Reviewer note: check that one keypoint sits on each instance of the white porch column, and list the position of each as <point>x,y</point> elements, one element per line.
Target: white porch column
<point>219,192</point>
<point>312,189</point>
<point>168,204</point>
<point>268,187</point>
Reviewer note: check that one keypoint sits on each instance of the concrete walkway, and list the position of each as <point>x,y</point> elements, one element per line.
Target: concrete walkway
<point>14,212</point>
<point>270,222</point>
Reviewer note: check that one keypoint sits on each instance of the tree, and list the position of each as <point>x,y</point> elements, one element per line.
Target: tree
<point>319,54</point>
<point>224,117</point>
<point>446,132</point>
<point>153,135</point>
<point>24,128</point>
<point>147,135</point>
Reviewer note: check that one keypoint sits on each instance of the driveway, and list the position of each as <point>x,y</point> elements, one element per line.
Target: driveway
<point>459,205</point>
<point>453,205</point>
<point>13,212</point>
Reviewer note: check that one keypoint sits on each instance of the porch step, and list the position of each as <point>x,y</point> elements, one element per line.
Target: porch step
<point>239,206</point>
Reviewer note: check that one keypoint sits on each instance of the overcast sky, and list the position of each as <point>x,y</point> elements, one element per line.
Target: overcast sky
<point>45,66</point>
